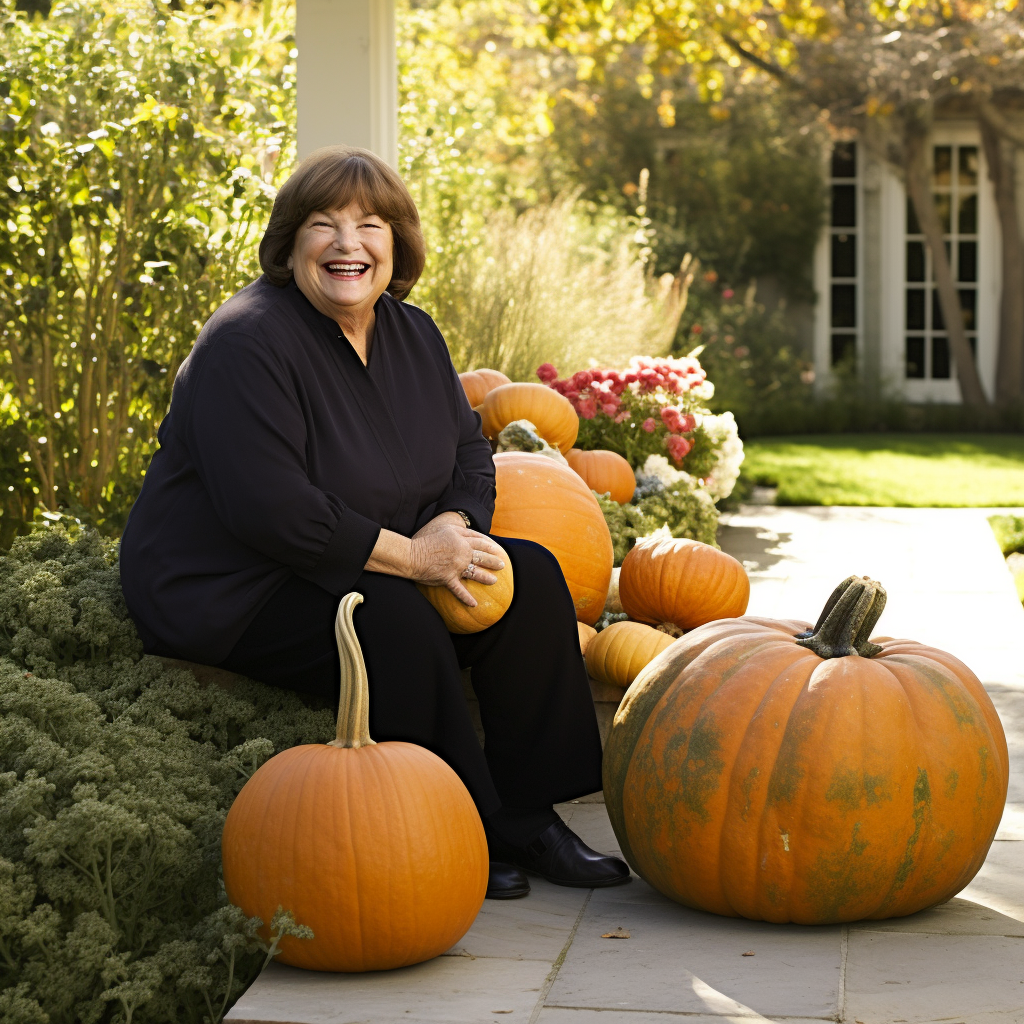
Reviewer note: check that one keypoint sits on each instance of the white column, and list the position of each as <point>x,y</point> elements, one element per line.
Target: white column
<point>347,75</point>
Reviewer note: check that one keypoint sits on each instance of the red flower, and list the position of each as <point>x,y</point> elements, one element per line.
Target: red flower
<point>696,328</point>
<point>672,418</point>
<point>547,373</point>
<point>587,407</point>
<point>582,379</point>
<point>649,425</point>
<point>624,415</point>
<point>678,447</point>
<point>727,293</point>
<point>608,408</point>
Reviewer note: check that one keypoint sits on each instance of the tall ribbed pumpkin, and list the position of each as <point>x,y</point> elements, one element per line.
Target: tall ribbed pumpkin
<point>684,582</point>
<point>375,846</point>
<point>764,770</point>
<point>540,500</point>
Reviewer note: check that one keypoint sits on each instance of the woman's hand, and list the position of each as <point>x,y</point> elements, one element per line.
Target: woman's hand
<point>438,555</point>
<point>443,551</point>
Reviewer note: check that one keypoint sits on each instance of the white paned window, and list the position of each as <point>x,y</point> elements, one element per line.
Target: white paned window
<point>843,256</point>
<point>955,180</point>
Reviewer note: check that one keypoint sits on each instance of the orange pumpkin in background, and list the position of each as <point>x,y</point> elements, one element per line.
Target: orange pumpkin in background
<point>586,634</point>
<point>540,500</point>
<point>604,472</point>
<point>685,582</point>
<point>476,384</point>
<point>551,413</point>
<point>377,847</point>
<point>762,769</point>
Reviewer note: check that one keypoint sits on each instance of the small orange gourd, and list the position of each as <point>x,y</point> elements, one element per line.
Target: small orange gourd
<point>377,847</point>
<point>621,650</point>
<point>604,472</point>
<point>685,582</point>
<point>492,601</point>
<point>476,383</point>
<point>551,413</point>
<point>768,770</point>
<point>541,500</point>
<point>586,634</point>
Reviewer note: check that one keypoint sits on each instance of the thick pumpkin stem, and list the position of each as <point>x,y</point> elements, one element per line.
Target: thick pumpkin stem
<point>847,621</point>
<point>354,702</point>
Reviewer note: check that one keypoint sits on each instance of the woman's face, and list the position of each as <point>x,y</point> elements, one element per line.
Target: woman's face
<point>342,260</point>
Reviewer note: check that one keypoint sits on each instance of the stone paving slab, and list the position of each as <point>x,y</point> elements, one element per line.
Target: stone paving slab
<point>542,960</point>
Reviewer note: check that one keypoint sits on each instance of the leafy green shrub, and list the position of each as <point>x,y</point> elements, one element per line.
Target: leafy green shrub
<point>116,773</point>
<point>140,143</point>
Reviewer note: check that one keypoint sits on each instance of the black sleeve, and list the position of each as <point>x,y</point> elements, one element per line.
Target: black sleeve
<point>472,484</point>
<point>247,437</point>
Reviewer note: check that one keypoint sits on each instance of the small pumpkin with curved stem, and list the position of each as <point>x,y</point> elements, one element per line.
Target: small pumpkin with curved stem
<point>476,384</point>
<point>764,769</point>
<point>681,581</point>
<point>604,472</point>
<point>377,847</point>
<point>622,650</point>
<point>492,601</point>
<point>552,414</point>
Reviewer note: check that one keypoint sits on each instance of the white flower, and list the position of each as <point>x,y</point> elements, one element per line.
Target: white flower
<point>657,469</point>
<point>728,447</point>
<point>703,392</point>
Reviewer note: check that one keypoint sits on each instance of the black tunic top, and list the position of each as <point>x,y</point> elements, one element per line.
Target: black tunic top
<point>282,453</point>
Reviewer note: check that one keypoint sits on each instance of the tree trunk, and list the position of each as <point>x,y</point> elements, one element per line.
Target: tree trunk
<point>918,172</point>
<point>999,155</point>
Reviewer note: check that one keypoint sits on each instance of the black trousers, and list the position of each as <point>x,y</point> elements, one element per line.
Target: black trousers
<point>542,742</point>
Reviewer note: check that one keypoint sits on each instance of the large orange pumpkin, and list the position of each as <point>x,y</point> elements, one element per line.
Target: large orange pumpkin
<point>764,770</point>
<point>685,582</point>
<point>376,847</point>
<point>492,602</point>
<point>604,472</point>
<point>476,384</point>
<point>551,413</point>
<point>540,500</point>
<point>621,650</point>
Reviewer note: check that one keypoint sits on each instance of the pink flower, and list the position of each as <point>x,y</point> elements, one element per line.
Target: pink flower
<point>672,418</point>
<point>688,423</point>
<point>678,447</point>
<point>624,415</point>
<point>547,373</point>
<point>587,407</point>
<point>608,408</point>
<point>649,425</point>
<point>727,293</point>
<point>582,379</point>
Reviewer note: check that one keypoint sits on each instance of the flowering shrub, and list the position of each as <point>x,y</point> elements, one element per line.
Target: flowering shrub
<point>649,408</point>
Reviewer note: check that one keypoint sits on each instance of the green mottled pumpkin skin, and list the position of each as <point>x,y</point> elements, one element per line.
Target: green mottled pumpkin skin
<point>747,776</point>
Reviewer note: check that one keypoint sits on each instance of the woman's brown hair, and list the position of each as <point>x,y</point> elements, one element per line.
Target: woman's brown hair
<point>330,179</point>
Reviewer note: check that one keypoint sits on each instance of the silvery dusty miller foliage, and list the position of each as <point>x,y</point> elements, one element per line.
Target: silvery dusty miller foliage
<point>116,773</point>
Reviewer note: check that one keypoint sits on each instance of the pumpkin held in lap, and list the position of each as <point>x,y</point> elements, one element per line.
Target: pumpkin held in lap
<point>761,769</point>
<point>377,847</point>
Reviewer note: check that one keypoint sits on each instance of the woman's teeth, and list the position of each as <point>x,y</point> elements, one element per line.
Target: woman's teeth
<point>347,269</point>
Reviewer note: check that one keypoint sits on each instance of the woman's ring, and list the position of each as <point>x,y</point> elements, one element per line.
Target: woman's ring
<point>469,572</point>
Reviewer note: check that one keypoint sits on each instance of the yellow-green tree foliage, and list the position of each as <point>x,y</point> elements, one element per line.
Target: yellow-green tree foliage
<point>139,146</point>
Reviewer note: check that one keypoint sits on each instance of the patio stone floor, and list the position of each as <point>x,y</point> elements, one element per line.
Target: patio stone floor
<point>542,959</point>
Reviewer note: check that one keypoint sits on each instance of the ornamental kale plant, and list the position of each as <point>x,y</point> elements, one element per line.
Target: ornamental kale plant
<point>116,773</point>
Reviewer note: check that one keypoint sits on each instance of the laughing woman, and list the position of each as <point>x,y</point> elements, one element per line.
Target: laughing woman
<point>319,442</point>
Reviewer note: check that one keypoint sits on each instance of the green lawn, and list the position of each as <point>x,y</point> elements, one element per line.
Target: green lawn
<point>891,469</point>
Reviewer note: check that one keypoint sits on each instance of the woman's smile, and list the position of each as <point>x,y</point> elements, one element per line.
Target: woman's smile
<point>345,270</point>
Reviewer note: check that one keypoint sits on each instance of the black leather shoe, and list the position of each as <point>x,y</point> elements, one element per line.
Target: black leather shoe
<point>505,882</point>
<point>560,856</point>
